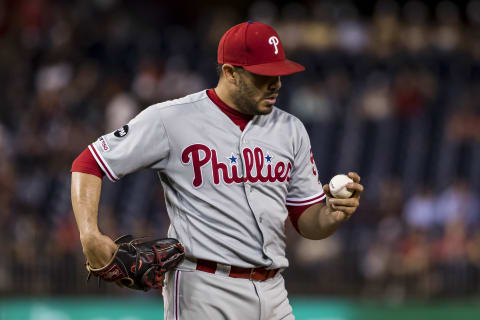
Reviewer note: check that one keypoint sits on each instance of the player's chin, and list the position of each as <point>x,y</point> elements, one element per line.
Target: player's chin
<point>264,108</point>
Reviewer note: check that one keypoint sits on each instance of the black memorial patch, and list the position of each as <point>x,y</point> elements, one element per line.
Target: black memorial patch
<point>122,132</point>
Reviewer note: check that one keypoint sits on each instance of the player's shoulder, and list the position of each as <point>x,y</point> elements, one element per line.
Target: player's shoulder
<point>174,107</point>
<point>183,103</point>
<point>171,109</point>
<point>282,117</point>
<point>288,128</point>
<point>282,114</point>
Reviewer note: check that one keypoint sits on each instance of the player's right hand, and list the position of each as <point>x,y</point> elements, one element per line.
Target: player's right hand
<point>342,209</point>
<point>98,249</point>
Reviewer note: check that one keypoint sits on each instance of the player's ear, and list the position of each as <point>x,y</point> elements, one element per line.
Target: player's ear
<point>229,73</point>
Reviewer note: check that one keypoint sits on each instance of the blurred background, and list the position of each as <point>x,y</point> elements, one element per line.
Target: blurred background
<point>391,90</point>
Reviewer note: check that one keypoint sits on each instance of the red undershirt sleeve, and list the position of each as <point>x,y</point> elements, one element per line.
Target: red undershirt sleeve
<point>295,212</point>
<point>85,163</point>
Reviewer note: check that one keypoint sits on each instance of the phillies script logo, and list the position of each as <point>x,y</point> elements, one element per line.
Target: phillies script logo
<point>258,167</point>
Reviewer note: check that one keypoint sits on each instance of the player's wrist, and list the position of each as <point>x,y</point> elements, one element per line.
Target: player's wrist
<point>327,218</point>
<point>89,235</point>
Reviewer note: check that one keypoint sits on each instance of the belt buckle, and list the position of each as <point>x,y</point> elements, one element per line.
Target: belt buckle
<point>252,273</point>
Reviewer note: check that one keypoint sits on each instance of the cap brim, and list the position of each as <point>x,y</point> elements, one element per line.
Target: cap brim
<point>279,68</point>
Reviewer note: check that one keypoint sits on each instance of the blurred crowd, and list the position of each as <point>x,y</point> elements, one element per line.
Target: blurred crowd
<point>392,93</point>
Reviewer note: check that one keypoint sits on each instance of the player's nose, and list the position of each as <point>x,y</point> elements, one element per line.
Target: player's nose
<point>275,84</point>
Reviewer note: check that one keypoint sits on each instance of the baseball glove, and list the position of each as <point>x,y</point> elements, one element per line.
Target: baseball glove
<point>140,265</point>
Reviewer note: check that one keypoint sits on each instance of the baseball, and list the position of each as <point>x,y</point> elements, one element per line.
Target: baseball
<point>338,187</point>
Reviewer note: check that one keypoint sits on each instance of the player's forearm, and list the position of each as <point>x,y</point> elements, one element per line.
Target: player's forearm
<point>315,223</point>
<point>85,193</point>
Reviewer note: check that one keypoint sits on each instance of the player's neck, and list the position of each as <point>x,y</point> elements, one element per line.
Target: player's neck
<point>223,93</point>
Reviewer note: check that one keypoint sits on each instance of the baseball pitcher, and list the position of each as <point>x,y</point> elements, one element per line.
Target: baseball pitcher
<point>233,168</point>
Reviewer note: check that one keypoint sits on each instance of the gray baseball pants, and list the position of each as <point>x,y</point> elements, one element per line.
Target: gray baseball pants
<point>191,294</point>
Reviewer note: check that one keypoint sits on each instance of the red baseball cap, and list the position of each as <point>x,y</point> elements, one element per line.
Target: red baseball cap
<point>257,48</point>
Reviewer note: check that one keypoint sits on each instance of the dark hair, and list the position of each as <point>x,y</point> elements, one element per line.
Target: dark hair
<point>219,69</point>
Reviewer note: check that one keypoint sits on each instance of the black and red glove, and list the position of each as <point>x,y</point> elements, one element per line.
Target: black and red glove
<point>140,265</point>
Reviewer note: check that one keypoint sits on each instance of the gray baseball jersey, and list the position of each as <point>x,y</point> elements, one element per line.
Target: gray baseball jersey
<point>226,190</point>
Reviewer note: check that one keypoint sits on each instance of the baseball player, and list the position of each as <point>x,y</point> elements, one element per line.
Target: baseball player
<point>233,168</point>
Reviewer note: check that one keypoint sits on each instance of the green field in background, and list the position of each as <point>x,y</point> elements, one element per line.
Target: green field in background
<point>138,308</point>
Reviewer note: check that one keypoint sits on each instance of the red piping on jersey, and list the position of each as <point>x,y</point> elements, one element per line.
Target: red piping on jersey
<point>305,201</point>
<point>101,164</point>
<point>176,293</point>
<point>240,119</point>
<point>85,163</point>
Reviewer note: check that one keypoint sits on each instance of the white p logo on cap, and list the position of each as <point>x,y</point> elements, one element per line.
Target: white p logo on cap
<point>274,42</point>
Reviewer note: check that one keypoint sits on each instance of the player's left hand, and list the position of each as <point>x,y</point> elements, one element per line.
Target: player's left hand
<point>342,209</point>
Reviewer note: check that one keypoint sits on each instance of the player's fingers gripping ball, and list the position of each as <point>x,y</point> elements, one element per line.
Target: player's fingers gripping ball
<point>140,265</point>
<point>338,186</point>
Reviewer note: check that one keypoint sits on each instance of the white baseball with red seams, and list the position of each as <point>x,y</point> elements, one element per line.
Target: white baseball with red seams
<point>338,186</point>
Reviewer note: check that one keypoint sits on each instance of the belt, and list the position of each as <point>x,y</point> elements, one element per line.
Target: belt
<point>258,274</point>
